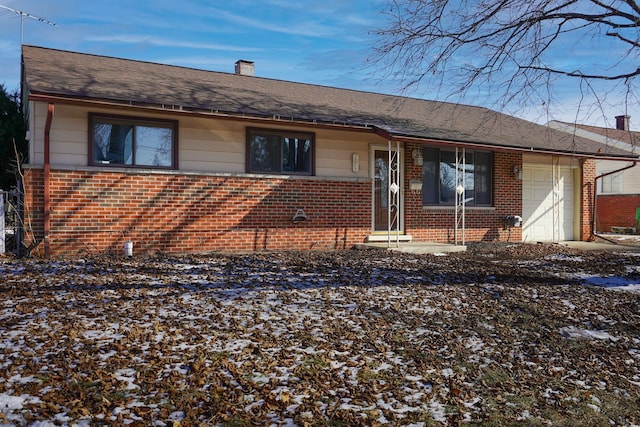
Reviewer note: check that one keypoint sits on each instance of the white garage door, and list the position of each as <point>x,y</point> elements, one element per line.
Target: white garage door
<point>547,203</point>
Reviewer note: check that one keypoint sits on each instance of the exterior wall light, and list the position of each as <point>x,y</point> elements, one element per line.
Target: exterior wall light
<point>355,162</point>
<point>417,157</point>
<point>517,172</point>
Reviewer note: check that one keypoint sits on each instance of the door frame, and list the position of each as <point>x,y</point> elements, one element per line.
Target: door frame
<point>372,170</point>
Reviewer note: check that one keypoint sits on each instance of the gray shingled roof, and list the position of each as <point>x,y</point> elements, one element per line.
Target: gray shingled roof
<point>629,137</point>
<point>58,73</point>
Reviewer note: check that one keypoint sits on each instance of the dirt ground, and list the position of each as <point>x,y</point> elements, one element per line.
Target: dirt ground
<point>502,334</point>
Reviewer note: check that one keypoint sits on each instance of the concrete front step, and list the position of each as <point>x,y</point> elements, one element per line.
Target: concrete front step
<point>414,247</point>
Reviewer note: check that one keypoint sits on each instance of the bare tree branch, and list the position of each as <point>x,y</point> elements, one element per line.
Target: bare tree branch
<point>510,44</point>
<point>586,76</point>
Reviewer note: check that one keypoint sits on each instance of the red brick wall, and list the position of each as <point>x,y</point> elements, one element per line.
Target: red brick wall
<point>586,201</point>
<point>483,224</point>
<point>98,211</point>
<point>616,211</point>
<point>33,209</point>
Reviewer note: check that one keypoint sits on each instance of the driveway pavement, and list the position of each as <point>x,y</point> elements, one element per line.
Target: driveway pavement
<point>608,242</point>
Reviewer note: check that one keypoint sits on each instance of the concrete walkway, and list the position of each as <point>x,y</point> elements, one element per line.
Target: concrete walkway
<point>618,243</point>
<point>604,245</point>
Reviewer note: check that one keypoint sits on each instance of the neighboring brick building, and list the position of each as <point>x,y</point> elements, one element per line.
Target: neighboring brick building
<point>618,182</point>
<point>183,160</point>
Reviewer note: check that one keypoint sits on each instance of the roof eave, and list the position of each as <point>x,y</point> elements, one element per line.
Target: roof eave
<point>505,147</point>
<point>190,110</point>
<point>238,115</point>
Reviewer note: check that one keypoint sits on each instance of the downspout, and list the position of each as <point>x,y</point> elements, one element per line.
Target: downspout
<point>47,181</point>
<point>595,200</point>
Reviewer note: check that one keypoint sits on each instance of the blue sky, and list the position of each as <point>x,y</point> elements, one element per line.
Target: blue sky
<point>320,42</point>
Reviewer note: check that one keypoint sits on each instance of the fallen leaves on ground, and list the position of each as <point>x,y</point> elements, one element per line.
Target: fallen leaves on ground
<point>498,335</point>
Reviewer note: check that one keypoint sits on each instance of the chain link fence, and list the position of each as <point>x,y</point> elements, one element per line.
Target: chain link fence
<point>10,225</point>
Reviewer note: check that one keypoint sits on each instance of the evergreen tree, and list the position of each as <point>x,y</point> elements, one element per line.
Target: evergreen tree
<point>12,128</point>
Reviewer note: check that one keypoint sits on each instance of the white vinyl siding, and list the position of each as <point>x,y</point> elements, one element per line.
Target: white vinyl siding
<point>210,145</point>
<point>68,135</point>
<point>207,145</point>
<point>628,181</point>
<point>334,155</point>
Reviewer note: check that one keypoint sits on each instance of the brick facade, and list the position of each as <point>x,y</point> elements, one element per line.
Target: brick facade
<point>97,212</point>
<point>586,199</point>
<point>481,224</point>
<point>616,211</point>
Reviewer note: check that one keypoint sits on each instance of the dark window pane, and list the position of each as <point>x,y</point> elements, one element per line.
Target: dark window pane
<point>382,179</point>
<point>265,153</point>
<point>430,161</point>
<point>296,155</point>
<point>112,143</point>
<point>469,168</point>
<point>483,180</point>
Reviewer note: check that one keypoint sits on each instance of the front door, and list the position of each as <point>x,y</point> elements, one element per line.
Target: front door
<point>386,190</point>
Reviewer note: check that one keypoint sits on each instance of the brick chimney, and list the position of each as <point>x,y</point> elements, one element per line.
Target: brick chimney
<point>244,68</point>
<point>622,122</point>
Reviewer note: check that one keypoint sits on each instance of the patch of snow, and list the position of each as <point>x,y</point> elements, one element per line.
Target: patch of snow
<point>447,373</point>
<point>635,288</point>
<point>127,376</point>
<point>260,378</point>
<point>594,407</point>
<point>563,257</point>
<point>472,402</point>
<point>474,344</point>
<point>438,411</point>
<point>105,356</point>
<point>577,333</point>
<point>610,282</point>
<point>11,402</point>
<point>23,380</point>
<point>487,326</point>
<point>525,415</point>
<point>177,416</point>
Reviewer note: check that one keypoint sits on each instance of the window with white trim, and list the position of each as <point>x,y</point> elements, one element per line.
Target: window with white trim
<point>611,183</point>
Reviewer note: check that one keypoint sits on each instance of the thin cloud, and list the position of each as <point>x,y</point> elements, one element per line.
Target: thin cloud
<point>300,28</point>
<point>8,47</point>
<point>162,42</point>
